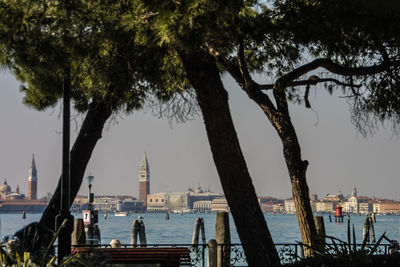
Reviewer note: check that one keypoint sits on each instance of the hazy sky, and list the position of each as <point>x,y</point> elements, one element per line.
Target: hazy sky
<point>179,154</point>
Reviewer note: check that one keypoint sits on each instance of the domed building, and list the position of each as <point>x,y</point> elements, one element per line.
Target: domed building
<point>7,194</point>
<point>5,188</point>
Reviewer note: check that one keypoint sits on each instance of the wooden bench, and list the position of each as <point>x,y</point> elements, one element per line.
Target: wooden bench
<point>164,257</point>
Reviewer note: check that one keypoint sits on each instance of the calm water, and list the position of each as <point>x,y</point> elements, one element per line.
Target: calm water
<point>178,229</point>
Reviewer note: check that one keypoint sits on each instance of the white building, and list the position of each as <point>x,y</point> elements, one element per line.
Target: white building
<point>203,206</point>
<point>290,208</point>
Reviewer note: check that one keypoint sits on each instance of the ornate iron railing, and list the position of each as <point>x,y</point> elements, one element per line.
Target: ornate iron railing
<point>288,253</point>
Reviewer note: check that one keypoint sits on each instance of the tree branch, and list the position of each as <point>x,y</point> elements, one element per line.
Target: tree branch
<point>333,67</point>
<point>242,63</point>
<point>310,82</point>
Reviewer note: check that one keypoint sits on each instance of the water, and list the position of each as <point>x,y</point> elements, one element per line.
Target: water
<point>178,229</point>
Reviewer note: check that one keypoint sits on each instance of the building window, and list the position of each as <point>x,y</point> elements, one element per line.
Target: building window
<point>156,199</point>
<point>162,200</point>
<point>151,200</point>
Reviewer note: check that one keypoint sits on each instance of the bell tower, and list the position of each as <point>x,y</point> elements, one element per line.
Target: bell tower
<point>32,180</point>
<point>144,180</point>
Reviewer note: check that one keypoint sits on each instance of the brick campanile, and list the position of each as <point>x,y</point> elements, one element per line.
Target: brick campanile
<point>144,180</point>
<point>32,180</point>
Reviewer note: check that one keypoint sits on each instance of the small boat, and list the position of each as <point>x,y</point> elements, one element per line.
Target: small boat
<point>121,213</point>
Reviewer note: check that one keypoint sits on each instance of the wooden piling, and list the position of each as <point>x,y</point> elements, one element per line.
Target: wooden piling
<point>372,230</point>
<point>96,233</point>
<point>135,232</point>
<point>223,238</point>
<point>212,253</point>
<point>78,237</point>
<point>373,217</point>
<point>196,232</point>
<point>203,232</point>
<point>138,233</point>
<point>320,227</point>
<point>366,230</point>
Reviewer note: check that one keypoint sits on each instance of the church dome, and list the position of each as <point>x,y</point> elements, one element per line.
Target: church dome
<point>5,188</point>
<point>198,190</point>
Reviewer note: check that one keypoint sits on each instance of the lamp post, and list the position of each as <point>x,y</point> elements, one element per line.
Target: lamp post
<point>89,180</point>
<point>64,219</point>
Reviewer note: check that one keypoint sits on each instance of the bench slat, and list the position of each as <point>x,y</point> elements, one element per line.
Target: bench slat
<point>175,256</point>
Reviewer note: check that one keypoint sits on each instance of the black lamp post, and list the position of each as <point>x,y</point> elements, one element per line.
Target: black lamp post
<point>64,219</point>
<point>90,208</point>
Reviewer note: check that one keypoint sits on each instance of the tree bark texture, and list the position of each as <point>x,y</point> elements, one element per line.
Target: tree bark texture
<point>80,154</point>
<point>280,119</point>
<point>235,179</point>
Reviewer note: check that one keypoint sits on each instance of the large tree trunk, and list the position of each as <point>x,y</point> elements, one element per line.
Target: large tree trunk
<point>80,154</point>
<point>280,119</point>
<point>230,163</point>
<point>297,171</point>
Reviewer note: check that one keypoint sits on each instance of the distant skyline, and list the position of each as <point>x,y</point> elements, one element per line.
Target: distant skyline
<point>179,154</point>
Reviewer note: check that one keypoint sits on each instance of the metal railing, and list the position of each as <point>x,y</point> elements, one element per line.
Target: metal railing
<point>288,253</point>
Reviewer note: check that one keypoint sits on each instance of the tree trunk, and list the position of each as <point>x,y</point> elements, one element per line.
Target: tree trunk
<point>297,171</point>
<point>280,119</point>
<point>80,154</point>
<point>235,179</point>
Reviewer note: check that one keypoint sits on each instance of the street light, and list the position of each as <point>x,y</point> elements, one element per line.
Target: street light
<point>93,214</point>
<point>89,180</point>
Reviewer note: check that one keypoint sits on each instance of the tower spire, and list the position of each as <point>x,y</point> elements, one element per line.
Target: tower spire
<point>144,180</point>
<point>32,180</point>
<point>33,170</point>
<point>144,165</point>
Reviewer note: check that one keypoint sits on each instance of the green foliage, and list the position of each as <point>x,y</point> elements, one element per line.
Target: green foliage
<point>345,253</point>
<point>12,256</point>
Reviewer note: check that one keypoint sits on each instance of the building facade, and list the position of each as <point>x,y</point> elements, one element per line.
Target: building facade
<point>144,180</point>
<point>7,194</point>
<point>290,208</point>
<point>219,204</point>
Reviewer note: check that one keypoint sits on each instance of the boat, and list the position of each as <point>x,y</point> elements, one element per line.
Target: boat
<point>121,213</point>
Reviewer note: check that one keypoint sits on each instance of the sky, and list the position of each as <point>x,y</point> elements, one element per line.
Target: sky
<point>179,154</point>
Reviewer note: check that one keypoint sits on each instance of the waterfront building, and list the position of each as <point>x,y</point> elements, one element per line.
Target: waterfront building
<point>219,204</point>
<point>144,180</point>
<point>267,204</point>
<point>133,205</point>
<point>6,192</point>
<point>387,207</point>
<point>179,201</point>
<point>199,194</point>
<point>32,180</point>
<point>351,205</point>
<point>278,208</point>
<point>202,206</point>
<point>364,208</point>
<point>325,206</point>
<point>334,197</point>
<point>107,204</point>
<point>290,208</point>
<point>157,202</point>
<point>17,206</point>
<point>313,204</point>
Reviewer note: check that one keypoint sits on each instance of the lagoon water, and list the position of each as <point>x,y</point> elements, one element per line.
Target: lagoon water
<point>178,229</point>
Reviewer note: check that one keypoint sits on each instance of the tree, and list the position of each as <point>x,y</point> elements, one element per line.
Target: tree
<point>194,66</point>
<point>352,52</point>
<point>278,38</point>
<point>38,40</point>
